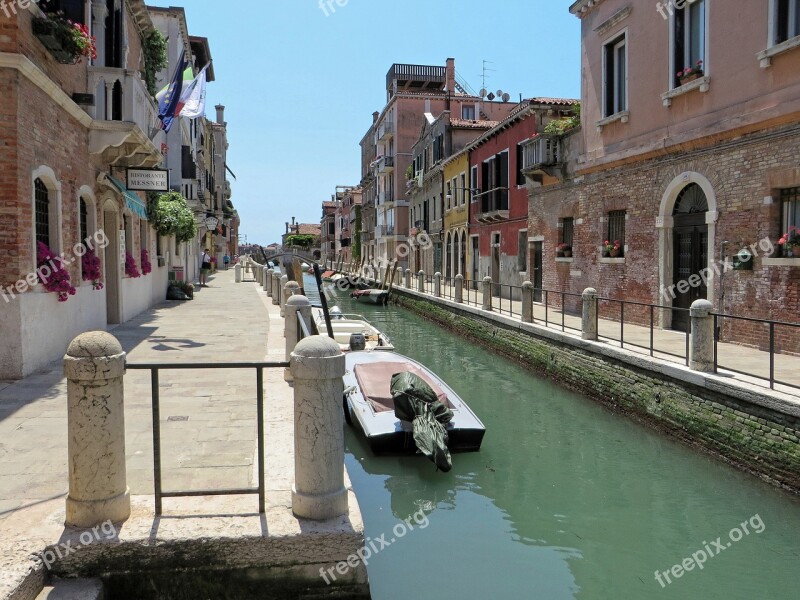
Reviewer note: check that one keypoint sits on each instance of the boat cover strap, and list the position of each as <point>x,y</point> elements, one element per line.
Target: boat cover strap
<point>375,381</point>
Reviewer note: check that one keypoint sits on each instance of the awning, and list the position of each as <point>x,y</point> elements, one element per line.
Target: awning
<point>135,204</point>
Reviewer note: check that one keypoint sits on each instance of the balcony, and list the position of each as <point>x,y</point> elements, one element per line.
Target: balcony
<point>415,77</point>
<point>384,231</point>
<point>125,119</point>
<point>386,197</point>
<point>541,152</point>
<point>492,205</point>
<point>386,165</point>
<point>386,130</point>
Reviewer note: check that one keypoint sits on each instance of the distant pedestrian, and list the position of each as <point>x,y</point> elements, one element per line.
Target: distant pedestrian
<point>226,260</point>
<point>205,267</point>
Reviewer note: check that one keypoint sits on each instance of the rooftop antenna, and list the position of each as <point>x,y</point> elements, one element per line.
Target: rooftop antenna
<point>484,76</point>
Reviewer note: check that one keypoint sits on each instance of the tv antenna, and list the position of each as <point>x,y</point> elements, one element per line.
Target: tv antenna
<point>484,76</point>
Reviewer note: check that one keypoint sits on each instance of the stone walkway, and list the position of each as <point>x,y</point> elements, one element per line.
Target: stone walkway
<point>208,431</point>
<point>736,361</point>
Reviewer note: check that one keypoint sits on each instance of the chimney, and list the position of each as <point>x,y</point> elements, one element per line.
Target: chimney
<point>287,226</point>
<point>220,114</point>
<point>292,221</point>
<point>375,116</point>
<point>450,76</point>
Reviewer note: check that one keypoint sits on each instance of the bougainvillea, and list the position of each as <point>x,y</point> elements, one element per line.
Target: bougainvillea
<point>147,268</point>
<point>131,270</point>
<point>92,269</point>
<point>52,274</point>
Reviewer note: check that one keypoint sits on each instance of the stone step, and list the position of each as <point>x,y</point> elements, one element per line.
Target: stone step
<point>72,589</point>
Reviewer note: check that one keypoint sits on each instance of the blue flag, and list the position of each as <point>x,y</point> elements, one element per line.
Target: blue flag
<point>168,105</point>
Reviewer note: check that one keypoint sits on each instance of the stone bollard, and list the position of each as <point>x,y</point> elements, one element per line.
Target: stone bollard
<point>421,282</point>
<point>294,305</point>
<point>398,278</point>
<point>487,293</point>
<point>268,285</point>
<point>589,322</point>
<point>290,288</point>
<point>701,339</point>
<point>266,280</point>
<point>98,489</point>
<point>527,302</point>
<point>276,288</point>
<point>459,293</point>
<point>237,272</point>
<point>437,285</point>
<point>257,274</point>
<point>408,279</point>
<point>318,366</point>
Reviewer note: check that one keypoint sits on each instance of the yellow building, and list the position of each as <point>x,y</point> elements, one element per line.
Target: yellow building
<point>457,198</point>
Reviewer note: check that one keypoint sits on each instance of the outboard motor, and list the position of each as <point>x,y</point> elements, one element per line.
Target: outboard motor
<point>358,341</point>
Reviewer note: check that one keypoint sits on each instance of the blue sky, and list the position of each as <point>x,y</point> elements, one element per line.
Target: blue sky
<point>300,87</point>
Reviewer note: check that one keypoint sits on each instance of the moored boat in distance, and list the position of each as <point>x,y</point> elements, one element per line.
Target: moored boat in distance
<point>346,325</point>
<point>368,403</point>
<point>371,296</point>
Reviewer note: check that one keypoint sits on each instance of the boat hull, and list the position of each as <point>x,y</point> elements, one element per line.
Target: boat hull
<point>385,433</point>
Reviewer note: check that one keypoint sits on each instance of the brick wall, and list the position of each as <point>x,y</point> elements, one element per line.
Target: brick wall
<point>743,173</point>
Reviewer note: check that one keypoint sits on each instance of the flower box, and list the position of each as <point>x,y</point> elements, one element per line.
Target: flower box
<point>67,42</point>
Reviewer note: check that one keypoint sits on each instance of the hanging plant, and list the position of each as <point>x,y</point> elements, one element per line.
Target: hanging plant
<point>147,268</point>
<point>92,269</point>
<point>154,48</point>
<point>56,279</point>
<point>171,215</point>
<point>131,269</point>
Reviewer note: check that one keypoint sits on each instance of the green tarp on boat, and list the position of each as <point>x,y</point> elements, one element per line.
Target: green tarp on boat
<point>417,403</point>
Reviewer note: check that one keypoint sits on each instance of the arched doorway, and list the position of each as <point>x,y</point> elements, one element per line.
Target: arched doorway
<point>690,252</point>
<point>448,249</point>
<point>462,254</point>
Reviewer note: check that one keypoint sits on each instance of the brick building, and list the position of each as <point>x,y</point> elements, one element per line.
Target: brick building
<point>688,154</point>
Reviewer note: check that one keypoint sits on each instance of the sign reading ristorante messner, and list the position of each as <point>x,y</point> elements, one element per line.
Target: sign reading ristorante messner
<point>148,180</point>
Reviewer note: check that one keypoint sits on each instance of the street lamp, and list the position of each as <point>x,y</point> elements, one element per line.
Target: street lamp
<point>449,197</point>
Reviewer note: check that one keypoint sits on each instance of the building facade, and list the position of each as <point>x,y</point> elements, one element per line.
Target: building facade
<point>688,156</point>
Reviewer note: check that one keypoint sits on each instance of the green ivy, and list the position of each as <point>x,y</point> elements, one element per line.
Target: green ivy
<point>155,59</point>
<point>302,240</point>
<point>170,215</point>
<point>562,126</point>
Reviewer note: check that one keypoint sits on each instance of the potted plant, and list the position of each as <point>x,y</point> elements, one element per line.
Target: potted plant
<point>564,251</point>
<point>612,250</point>
<point>131,270</point>
<point>790,242</point>
<point>68,42</point>
<point>689,74</point>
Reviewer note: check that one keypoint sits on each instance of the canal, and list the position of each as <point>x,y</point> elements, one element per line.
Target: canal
<point>564,500</point>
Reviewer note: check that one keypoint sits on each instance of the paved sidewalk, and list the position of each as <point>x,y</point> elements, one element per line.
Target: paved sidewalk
<point>668,344</point>
<point>208,432</point>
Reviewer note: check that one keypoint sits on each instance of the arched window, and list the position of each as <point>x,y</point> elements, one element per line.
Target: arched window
<point>84,213</point>
<point>42,198</point>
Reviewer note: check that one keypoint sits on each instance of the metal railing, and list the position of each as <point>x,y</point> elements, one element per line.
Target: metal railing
<point>650,310</point>
<point>772,327</point>
<point>155,369</point>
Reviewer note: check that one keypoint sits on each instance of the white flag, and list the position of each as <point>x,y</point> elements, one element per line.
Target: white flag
<point>194,97</point>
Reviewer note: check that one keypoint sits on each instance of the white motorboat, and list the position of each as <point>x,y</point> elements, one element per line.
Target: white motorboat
<point>345,326</point>
<point>368,402</point>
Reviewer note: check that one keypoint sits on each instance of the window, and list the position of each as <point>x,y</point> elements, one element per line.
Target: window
<point>473,181</point>
<point>143,241</point>
<point>567,225</point>
<point>126,222</point>
<point>616,229</point>
<point>790,209</point>
<point>689,39</point>
<point>520,163</point>
<point>72,9</point>
<point>449,195</point>
<point>463,188</point>
<point>787,20</point>
<point>522,251</point>
<point>42,197</point>
<point>468,112</point>
<point>615,72</point>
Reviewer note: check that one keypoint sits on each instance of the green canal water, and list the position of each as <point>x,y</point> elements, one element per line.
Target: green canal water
<point>565,499</point>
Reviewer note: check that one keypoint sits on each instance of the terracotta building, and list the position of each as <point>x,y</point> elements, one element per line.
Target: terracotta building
<point>688,155</point>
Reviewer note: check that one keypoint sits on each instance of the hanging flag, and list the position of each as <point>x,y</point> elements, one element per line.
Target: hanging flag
<point>193,99</point>
<point>168,104</point>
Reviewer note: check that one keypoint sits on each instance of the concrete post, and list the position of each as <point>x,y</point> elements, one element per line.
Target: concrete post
<point>487,293</point>
<point>459,293</point>
<point>318,366</point>
<point>268,285</point>
<point>292,332</point>
<point>589,323</point>
<point>290,288</point>
<point>276,288</point>
<point>408,279</point>
<point>421,282</point>
<point>527,302</point>
<point>266,282</point>
<point>258,272</point>
<point>237,272</point>
<point>98,488</point>
<point>437,285</point>
<point>398,278</point>
<point>701,339</point>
